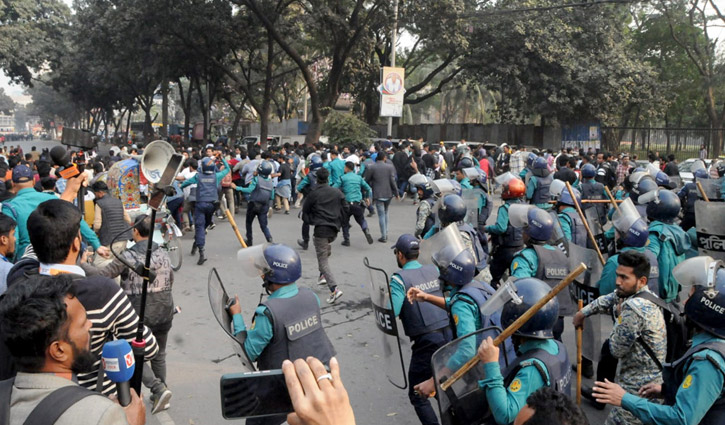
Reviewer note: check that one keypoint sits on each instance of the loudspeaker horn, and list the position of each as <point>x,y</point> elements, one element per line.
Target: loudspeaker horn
<point>155,159</point>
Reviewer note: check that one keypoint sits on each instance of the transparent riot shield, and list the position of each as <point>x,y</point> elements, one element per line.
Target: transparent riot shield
<point>710,226</point>
<point>586,288</point>
<point>464,403</point>
<point>558,239</point>
<point>712,188</point>
<point>385,321</point>
<point>471,197</point>
<point>676,181</point>
<point>448,236</point>
<point>595,225</point>
<point>220,303</point>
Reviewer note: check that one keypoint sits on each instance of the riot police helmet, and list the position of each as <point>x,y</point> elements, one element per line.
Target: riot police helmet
<point>589,171</point>
<point>514,188</point>
<point>541,324</point>
<point>701,174</point>
<point>556,188</point>
<point>566,199</point>
<point>422,183</point>
<point>456,267</point>
<point>706,305</point>
<point>644,185</point>
<point>662,205</point>
<point>315,162</point>
<point>265,168</point>
<point>208,166</point>
<point>284,265</point>
<point>452,210</point>
<point>465,162</point>
<point>530,160</point>
<point>636,235</point>
<point>457,189</point>
<point>482,177</point>
<point>540,224</point>
<point>541,167</point>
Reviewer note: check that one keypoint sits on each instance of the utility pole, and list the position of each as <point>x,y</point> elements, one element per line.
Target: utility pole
<point>392,54</point>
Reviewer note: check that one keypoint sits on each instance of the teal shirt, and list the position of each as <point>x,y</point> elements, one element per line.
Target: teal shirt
<point>467,319</point>
<point>502,219</point>
<point>397,288</point>
<point>526,262</point>
<point>702,386</point>
<point>565,221</point>
<point>24,203</point>
<point>303,183</point>
<point>261,332</point>
<point>465,183</point>
<point>337,169</point>
<point>253,185</point>
<point>505,403</point>
<point>530,188</point>
<point>667,256</point>
<point>354,187</point>
<point>219,175</point>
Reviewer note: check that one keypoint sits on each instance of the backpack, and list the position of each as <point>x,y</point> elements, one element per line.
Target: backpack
<point>674,325</point>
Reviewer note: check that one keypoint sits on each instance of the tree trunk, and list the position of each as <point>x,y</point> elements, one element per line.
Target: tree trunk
<point>165,108</point>
<point>202,105</point>
<point>128,126</point>
<point>266,100</point>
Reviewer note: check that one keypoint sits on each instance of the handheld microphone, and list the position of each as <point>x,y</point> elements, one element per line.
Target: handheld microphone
<point>119,365</point>
<point>60,157</point>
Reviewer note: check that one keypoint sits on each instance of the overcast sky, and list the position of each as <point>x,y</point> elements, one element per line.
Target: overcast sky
<point>16,92</point>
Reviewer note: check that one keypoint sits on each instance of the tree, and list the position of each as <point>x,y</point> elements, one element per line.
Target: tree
<point>346,129</point>
<point>7,105</point>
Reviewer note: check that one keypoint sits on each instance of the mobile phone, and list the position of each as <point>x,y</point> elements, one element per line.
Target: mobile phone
<point>254,394</point>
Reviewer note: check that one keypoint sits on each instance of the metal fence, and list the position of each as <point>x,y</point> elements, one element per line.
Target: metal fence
<point>682,142</point>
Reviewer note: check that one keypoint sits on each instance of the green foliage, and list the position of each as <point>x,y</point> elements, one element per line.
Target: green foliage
<point>346,129</point>
<point>6,103</point>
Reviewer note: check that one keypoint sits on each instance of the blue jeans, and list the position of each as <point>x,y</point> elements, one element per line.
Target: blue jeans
<point>382,205</point>
<point>402,185</point>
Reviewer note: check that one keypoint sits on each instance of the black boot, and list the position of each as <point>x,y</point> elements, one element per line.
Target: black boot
<point>368,236</point>
<point>346,242</point>
<point>193,248</point>
<point>202,257</point>
<point>303,243</point>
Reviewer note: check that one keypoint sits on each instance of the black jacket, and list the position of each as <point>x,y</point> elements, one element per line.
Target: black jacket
<point>324,206</point>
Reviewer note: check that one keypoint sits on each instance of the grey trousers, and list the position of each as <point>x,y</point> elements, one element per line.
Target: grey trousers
<point>323,249</point>
<point>154,376</point>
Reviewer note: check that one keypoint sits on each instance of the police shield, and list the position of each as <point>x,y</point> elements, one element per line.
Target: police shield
<point>385,321</point>
<point>595,225</point>
<point>586,288</point>
<point>220,302</point>
<point>472,197</point>
<point>712,188</point>
<point>464,403</point>
<point>710,226</point>
<point>558,239</point>
<point>449,236</point>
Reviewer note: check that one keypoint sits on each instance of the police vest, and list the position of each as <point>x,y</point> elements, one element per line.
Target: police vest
<point>692,196</point>
<point>479,253</point>
<point>422,318</point>
<point>430,221</point>
<point>206,189</point>
<point>553,267</point>
<point>653,283</point>
<point>594,191</point>
<point>478,293</point>
<point>113,222</point>
<point>557,366</point>
<point>579,235</point>
<point>674,373</point>
<point>541,193</point>
<point>263,191</point>
<point>297,331</point>
<point>485,211</point>
<point>512,238</point>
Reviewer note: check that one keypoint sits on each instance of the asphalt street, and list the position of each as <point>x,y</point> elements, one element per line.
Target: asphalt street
<point>199,352</point>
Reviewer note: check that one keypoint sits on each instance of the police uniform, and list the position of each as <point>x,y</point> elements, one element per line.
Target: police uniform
<point>593,190</point>
<point>465,183</point>
<point>639,317</point>
<point>543,362</point>
<point>354,187</point>
<point>337,170</point>
<point>537,191</point>
<point>507,241</point>
<point>207,195</point>
<point>688,196</point>
<point>693,390</point>
<point>471,240</point>
<point>573,227</point>
<point>669,243</point>
<point>261,191</point>
<point>425,324</point>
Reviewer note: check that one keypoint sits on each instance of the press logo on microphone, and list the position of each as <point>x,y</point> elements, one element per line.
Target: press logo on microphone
<point>111,365</point>
<point>129,359</point>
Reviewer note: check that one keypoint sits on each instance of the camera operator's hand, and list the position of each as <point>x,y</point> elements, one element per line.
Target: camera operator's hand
<point>135,411</point>
<point>71,188</point>
<point>317,400</point>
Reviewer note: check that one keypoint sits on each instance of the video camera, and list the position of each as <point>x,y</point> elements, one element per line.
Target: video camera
<point>70,164</point>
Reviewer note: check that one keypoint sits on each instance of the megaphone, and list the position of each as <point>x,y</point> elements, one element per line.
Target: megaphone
<point>160,164</point>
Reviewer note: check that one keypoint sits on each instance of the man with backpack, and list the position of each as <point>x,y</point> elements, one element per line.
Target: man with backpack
<point>638,338</point>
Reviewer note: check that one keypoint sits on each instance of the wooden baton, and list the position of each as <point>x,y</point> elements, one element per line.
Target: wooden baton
<point>517,324</point>
<point>611,198</point>
<point>230,217</point>
<point>579,337</point>
<point>702,191</point>
<point>586,223</point>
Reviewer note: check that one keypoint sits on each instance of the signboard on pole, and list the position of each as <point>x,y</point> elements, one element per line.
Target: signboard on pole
<point>392,90</point>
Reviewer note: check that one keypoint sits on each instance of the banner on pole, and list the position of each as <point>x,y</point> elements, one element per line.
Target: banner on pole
<point>392,91</point>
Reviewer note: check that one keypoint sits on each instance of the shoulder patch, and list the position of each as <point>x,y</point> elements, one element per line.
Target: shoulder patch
<point>515,386</point>
<point>515,265</point>
<point>687,382</point>
<point>455,319</point>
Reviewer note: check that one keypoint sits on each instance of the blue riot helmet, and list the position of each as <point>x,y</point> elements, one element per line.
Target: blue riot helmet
<point>530,291</point>
<point>663,180</point>
<point>465,162</point>
<point>706,305</point>
<point>265,168</point>
<point>452,210</point>
<point>315,162</point>
<point>556,189</point>
<point>566,199</point>
<point>662,205</point>
<point>645,185</point>
<point>457,189</point>
<point>456,267</point>
<point>278,263</point>
<point>589,171</point>
<point>482,177</point>
<point>530,160</point>
<point>537,223</point>
<point>541,167</point>
<point>701,174</point>
<point>630,226</point>
<point>208,166</point>
<point>637,234</point>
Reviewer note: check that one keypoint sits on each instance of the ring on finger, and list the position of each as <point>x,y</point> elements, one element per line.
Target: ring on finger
<point>325,376</point>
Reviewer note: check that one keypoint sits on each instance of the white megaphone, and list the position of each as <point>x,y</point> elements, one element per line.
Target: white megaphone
<point>160,164</point>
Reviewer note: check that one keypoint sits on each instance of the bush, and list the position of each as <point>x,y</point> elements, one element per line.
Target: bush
<point>346,129</point>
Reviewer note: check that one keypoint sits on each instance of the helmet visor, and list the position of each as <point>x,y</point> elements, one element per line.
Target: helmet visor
<point>652,170</point>
<point>518,215</point>
<point>504,178</point>
<point>505,293</point>
<point>417,180</point>
<point>252,261</point>
<point>625,216</point>
<point>449,236</point>
<point>555,189</point>
<point>651,196</point>
<point>443,187</point>
<point>471,173</point>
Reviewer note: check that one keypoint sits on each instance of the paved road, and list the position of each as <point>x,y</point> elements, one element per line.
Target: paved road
<point>199,353</point>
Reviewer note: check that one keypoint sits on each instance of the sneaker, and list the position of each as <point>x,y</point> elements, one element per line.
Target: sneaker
<point>322,280</point>
<point>337,293</point>
<point>160,401</point>
<point>369,237</point>
<point>383,240</point>
<point>211,226</point>
<point>286,213</point>
<point>402,198</point>
<point>371,213</point>
<point>303,244</point>
<point>346,242</point>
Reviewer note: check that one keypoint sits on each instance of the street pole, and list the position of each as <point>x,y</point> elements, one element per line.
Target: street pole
<point>392,54</point>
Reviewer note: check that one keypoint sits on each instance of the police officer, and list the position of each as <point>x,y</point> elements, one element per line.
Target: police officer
<point>688,196</point>
<point>288,324</point>
<point>305,187</point>
<point>207,195</point>
<point>543,361</point>
<point>425,324</point>
<point>537,188</point>
<point>693,388</point>
<point>336,166</point>
<point>507,240</point>
<point>667,241</point>
<point>477,178</point>
<point>526,173</point>
<point>261,191</point>
<point>639,327</point>
<point>354,187</point>
<point>543,261</point>
<point>425,217</point>
<point>571,223</point>
<point>593,190</point>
